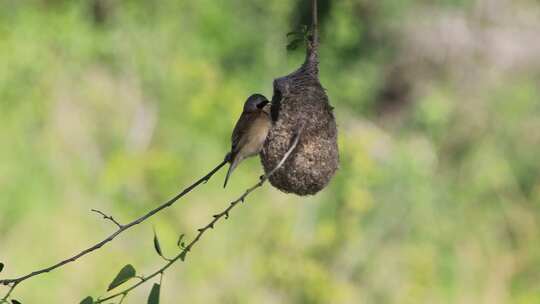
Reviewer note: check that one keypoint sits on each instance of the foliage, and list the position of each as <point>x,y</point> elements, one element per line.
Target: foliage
<point>127,272</point>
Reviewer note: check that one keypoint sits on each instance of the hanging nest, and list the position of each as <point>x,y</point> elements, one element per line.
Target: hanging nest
<point>300,104</point>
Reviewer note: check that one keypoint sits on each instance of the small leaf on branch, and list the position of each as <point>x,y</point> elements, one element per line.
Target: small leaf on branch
<point>293,45</point>
<point>87,300</point>
<point>126,273</point>
<point>153,298</point>
<point>15,302</point>
<point>293,33</point>
<point>157,246</point>
<point>183,255</point>
<point>180,243</point>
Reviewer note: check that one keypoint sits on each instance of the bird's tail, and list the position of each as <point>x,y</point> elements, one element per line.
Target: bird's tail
<point>234,163</point>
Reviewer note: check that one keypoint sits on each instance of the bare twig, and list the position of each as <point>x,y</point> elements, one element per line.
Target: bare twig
<point>108,217</point>
<point>14,282</point>
<point>315,23</point>
<point>11,288</point>
<point>201,231</point>
<point>312,50</point>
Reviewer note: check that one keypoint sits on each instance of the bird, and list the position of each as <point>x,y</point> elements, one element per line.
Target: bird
<point>250,131</point>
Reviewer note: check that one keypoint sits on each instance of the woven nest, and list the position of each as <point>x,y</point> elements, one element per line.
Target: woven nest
<point>300,104</point>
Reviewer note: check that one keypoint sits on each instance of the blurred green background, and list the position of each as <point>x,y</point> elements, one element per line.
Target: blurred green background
<point>116,105</point>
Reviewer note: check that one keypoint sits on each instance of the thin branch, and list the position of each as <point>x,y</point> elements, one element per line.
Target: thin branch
<point>11,288</point>
<point>108,217</point>
<point>315,23</point>
<point>15,281</point>
<point>201,231</point>
<point>312,50</point>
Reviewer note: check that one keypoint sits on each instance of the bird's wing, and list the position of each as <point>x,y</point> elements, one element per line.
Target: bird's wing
<point>240,129</point>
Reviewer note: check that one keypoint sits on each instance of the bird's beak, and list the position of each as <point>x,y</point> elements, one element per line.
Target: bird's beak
<point>262,104</point>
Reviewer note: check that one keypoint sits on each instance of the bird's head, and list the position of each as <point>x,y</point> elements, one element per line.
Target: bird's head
<point>255,102</point>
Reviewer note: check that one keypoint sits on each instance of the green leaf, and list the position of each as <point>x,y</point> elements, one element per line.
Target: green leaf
<point>87,300</point>
<point>153,298</point>
<point>126,273</point>
<point>180,243</point>
<point>1,267</point>
<point>157,246</point>
<point>292,34</point>
<point>183,255</point>
<point>293,45</point>
<point>15,302</point>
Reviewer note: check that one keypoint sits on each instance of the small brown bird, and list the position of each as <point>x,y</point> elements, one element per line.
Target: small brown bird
<point>250,131</point>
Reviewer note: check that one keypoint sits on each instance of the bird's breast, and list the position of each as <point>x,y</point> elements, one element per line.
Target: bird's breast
<point>257,135</point>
